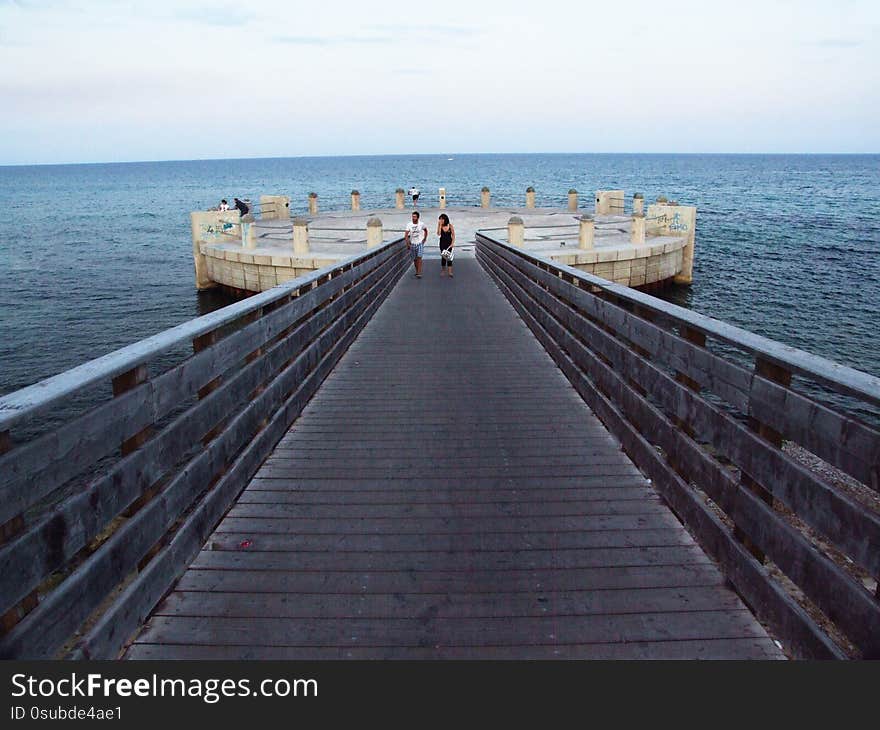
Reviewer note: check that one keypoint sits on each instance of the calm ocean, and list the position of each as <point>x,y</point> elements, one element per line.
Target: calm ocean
<point>93,257</point>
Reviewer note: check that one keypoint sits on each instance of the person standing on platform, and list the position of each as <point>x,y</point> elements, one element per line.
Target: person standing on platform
<point>414,194</point>
<point>224,206</point>
<point>416,235</point>
<point>446,232</point>
<point>242,207</point>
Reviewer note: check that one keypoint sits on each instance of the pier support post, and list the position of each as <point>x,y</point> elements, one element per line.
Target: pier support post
<point>516,233</point>
<point>572,199</point>
<point>638,204</point>
<point>300,235</point>
<point>637,235</point>
<point>355,200</point>
<point>374,232</point>
<point>586,232</point>
<point>485,197</point>
<point>530,197</point>
<point>313,204</point>
<point>442,198</point>
<point>399,198</point>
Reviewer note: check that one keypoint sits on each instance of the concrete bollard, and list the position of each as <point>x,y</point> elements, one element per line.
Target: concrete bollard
<point>442,197</point>
<point>300,235</point>
<point>609,202</point>
<point>485,197</point>
<point>516,232</point>
<point>586,232</point>
<point>572,199</point>
<point>374,232</point>
<point>313,204</point>
<point>661,199</point>
<point>355,200</point>
<point>637,235</point>
<point>638,204</point>
<point>530,197</point>
<point>248,231</point>
<point>399,198</point>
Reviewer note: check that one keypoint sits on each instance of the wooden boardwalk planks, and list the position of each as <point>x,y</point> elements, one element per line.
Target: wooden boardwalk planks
<point>447,494</point>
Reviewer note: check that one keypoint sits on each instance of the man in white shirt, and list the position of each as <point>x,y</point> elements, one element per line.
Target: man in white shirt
<point>416,235</point>
<point>414,194</point>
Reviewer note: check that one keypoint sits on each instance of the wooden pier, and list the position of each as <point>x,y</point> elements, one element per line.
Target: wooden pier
<point>524,461</point>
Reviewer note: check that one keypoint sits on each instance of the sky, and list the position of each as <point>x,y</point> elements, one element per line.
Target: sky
<point>117,81</point>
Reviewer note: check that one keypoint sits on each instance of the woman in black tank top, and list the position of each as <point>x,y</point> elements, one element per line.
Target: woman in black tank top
<point>446,231</point>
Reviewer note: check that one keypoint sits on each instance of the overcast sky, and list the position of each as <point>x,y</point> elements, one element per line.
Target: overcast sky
<point>104,81</point>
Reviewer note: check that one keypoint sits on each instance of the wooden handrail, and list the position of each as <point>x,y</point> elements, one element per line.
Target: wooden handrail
<point>840,378</point>
<point>37,398</point>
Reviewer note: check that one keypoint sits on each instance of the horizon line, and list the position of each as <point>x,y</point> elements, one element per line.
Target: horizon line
<point>422,154</point>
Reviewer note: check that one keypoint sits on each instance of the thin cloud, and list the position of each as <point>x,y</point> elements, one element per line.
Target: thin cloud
<point>836,43</point>
<point>432,30</point>
<point>301,40</point>
<point>223,16</point>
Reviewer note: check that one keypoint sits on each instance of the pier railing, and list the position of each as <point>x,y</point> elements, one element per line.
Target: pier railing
<point>99,515</point>
<point>709,411</point>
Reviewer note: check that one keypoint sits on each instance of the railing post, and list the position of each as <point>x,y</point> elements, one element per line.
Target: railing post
<point>313,204</point>
<point>516,231</point>
<point>770,371</point>
<point>122,384</point>
<point>638,204</point>
<point>399,198</point>
<point>586,232</point>
<point>485,197</point>
<point>8,532</point>
<point>637,234</point>
<point>300,235</point>
<point>374,232</point>
<point>572,200</point>
<point>530,197</point>
<point>442,198</point>
<point>695,337</point>
<point>355,200</point>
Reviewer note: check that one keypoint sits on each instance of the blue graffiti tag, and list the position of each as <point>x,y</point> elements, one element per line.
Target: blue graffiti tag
<point>677,224</point>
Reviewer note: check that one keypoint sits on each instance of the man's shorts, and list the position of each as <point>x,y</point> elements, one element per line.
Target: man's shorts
<point>415,250</point>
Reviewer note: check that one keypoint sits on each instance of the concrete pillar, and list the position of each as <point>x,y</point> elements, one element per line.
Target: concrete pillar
<point>516,232</point>
<point>638,204</point>
<point>399,198</point>
<point>300,235</point>
<point>248,231</point>
<point>572,199</point>
<point>374,232</point>
<point>442,197</point>
<point>661,199</point>
<point>274,207</point>
<point>609,202</point>
<point>313,204</point>
<point>355,200</point>
<point>586,232</point>
<point>530,197</point>
<point>485,197</point>
<point>637,235</point>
